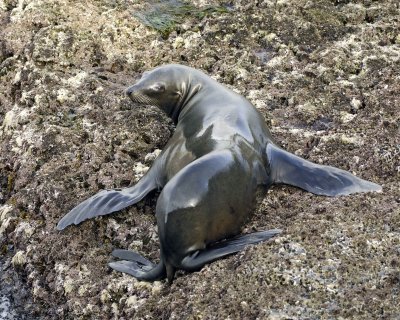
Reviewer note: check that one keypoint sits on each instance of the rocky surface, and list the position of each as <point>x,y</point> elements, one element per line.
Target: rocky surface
<point>326,76</point>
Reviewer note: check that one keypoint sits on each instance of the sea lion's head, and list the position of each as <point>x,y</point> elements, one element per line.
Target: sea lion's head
<point>168,87</point>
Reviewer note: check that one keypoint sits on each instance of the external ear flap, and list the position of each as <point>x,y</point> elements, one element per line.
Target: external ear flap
<point>158,87</point>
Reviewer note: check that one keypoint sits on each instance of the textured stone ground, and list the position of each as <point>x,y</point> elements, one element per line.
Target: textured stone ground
<point>326,76</point>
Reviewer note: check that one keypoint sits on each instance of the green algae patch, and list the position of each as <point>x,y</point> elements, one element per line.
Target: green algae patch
<point>165,16</point>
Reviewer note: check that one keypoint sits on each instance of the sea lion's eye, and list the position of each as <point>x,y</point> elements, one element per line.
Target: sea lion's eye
<point>158,87</point>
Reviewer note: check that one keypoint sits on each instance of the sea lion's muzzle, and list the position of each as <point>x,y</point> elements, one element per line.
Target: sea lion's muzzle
<point>129,91</point>
<point>139,95</point>
<point>133,93</point>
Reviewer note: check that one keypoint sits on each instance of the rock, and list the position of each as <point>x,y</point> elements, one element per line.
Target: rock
<point>324,74</point>
<point>19,259</point>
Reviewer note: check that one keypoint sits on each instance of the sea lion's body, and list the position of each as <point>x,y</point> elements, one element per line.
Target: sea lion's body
<point>211,150</point>
<point>219,156</point>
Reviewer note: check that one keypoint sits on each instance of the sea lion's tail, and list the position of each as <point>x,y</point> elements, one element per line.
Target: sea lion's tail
<point>319,179</point>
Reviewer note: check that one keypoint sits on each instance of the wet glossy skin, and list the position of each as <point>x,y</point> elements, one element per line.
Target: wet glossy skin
<point>200,131</point>
<point>210,171</point>
<point>218,143</point>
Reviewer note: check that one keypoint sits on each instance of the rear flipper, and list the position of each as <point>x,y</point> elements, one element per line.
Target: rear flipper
<point>108,201</point>
<point>139,271</point>
<point>132,256</point>
<point>141,268</point>
<point>319,179</point>
<point>224,248</point>
<point>137,266</point>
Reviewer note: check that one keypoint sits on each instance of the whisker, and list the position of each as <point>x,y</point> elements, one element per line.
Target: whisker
<point>142,99</point>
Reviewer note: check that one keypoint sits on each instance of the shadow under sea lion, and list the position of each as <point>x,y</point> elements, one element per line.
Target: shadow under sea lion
<point>210,170</point>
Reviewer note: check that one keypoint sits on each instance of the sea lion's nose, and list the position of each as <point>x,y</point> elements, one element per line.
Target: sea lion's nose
<point>129,91</point>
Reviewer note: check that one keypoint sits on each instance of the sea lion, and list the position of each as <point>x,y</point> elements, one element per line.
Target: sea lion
<point>210,170</point>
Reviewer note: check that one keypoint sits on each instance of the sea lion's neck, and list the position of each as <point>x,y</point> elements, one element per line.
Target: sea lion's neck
<point>189,90</point>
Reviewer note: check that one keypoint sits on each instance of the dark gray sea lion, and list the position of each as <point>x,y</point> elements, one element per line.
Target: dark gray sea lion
<point>219,156</point>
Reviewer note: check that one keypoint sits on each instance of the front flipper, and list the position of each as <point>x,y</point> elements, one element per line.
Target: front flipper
<point>138,266</point>
<point>319,179</point>
<point>224,248</point>
<point>108,201</point>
